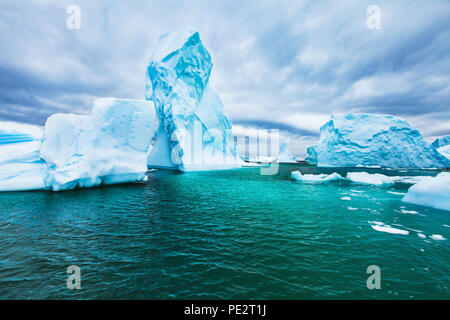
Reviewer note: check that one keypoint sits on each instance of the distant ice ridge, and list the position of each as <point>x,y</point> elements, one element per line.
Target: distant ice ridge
<point>354,139</point>
<point>441,142</point>
<point>445,151</point>
<point>285,156</point>
<point>108,146</point>
<point>20,165</point>
<point>193,129</point>
<point>431,192</point>
<point>358,177</point>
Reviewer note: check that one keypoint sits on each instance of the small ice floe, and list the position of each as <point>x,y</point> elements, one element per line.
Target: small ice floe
<point>346,198</point>
<point>446,225</point>
<point>407,211</point>
<point>421,235</point>
<point>367,178</point>
<point>399,193</point>
<point>316,178</point>
<point>357,191</point>
<point>380,226</point>
<point>437,237</point>
<point>352,209</point>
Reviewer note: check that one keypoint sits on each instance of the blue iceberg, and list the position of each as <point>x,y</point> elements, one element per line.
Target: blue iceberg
<point>354,140</point>
<point>193,132</point>
<point>21,168</point>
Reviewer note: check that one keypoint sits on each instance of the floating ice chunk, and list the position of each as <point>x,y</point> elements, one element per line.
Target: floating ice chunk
<point>367,178</point>
<point>20,165</point>
<point>315,177</point>
<point>352,139</point>
<point>352,209</point>
<point>346,198</point>
<point>398,193</point>
<point>379,226</point>
<point>437,237</point>
<point>431,192</point>
<point>109,146</point>
<point>421,235</point>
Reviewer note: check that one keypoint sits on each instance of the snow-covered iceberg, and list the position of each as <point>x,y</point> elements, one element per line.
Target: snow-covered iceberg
<point>194,129</point>
<point>20,165</point>
<point>431,192</point>
<point>108,146</point>
<point>349,140</point>
<point>441,142</point>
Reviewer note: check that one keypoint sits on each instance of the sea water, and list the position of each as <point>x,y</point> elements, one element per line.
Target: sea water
<point>232,234</point>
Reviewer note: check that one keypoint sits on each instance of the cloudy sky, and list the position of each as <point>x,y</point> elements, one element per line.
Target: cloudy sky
<point>277,64</point>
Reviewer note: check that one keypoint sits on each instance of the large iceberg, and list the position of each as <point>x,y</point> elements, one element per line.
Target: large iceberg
<point>20,165</point>
<point>431,192</point>
<point>108,146</point>
<point>354,139</point>
<point>445,151</point>
<point>441,142</point>
<point>194,132</point>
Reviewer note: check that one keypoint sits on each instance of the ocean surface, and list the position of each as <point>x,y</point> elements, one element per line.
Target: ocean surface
<point>224,235</point>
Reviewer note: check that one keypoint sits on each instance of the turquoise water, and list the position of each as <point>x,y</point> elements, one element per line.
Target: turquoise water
<point>225,234</point>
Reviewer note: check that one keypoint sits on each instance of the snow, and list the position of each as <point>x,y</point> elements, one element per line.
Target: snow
<point>431,192</point>
<point>20,165</point>
<point>352,139</point>
<point>441,142</point>
<point>196,129</point>
<point>109,146</point>
<point>315,177</point>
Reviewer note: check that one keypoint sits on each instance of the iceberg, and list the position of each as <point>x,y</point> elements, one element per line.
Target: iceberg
<point>193,128</point>
<point>441,142</point>
<point>445,151</point>
<point>21,168</point>
<point>285,156</point>
<point>349,140</point>
<point>108,146</point>
<point>431,192</point>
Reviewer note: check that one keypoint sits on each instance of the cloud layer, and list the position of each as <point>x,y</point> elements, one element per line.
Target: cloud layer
<point>277,64</point>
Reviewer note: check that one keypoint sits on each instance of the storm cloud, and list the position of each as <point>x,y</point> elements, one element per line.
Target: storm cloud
<point>277,64</point>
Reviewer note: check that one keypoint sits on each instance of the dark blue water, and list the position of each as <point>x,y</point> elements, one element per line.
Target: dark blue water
<point>224,234</point>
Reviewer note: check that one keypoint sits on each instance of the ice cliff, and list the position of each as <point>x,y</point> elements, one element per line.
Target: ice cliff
<point>350,140</point>
<point>194,132</point>
<point>20,165</point>
<point>108,146</point>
